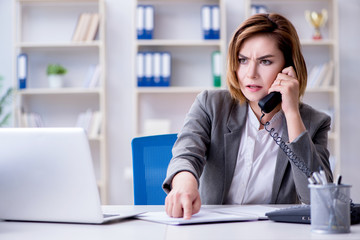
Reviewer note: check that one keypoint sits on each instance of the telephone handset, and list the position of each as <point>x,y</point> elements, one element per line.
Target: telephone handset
<point>269,102</point>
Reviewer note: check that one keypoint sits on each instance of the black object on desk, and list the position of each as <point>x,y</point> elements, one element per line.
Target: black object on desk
<point>295,214</point>
<point>301,214</point>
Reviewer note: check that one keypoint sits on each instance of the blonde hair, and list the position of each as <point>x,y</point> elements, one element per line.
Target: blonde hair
<point>280,29</point>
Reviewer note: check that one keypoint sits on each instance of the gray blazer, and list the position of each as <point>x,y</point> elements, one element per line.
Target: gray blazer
<point>208,144</point>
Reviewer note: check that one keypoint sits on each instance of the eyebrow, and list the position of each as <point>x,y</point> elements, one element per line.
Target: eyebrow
<point>259,58</point>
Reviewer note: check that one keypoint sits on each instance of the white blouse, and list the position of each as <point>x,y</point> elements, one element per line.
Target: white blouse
<point>255,167</point>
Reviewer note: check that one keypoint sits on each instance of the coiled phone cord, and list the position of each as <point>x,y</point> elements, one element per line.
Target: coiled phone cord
<point>283,146</point>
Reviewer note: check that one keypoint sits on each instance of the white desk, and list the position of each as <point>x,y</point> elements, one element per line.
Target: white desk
<point>138,229</point>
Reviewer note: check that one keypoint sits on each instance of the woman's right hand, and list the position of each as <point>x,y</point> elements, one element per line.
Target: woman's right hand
<point>184,199</point>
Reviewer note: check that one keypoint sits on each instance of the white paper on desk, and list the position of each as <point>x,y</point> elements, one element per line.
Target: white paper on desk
<point>204,216</point>
<point>257,210</point>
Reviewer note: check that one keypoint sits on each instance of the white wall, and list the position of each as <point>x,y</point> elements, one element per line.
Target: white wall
<point>6,41</point>
<point>349,35</point>
<point>120,84</point>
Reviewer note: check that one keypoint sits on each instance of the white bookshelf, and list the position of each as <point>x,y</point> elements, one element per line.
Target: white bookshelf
<point>44,31</point>
<point>177,29</point>
<point>326,98</point>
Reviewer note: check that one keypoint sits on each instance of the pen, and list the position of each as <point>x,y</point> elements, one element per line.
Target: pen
<point>338,180</point>
<point>311,180</point>
<point>323,177</point>
<point>317,178</point>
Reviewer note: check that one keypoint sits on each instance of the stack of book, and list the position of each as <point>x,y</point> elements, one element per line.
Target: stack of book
<point>32,120</point>
<point>321,75</point>
<point>90,121</point>
<point>145,21</point>
<point>86,28</point>
<point>92,79</point>
<point>210,15</point>
<point>153,69</point>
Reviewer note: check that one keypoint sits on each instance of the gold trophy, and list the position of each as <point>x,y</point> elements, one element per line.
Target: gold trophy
<point>317,20</point>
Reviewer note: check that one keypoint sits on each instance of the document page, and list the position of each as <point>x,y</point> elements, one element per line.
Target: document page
<point>210,215</point>
<point>257,210</point>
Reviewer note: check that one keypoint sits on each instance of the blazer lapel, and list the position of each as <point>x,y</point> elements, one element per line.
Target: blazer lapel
<point>232,139</point>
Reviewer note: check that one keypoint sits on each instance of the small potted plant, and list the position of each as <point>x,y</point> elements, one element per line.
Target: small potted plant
<point>56,74</point>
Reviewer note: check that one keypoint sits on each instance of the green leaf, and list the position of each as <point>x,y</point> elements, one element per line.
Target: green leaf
<point>7,97</point>
<point>56,69</point>
<point>5,120</point>
<point>1,80</point>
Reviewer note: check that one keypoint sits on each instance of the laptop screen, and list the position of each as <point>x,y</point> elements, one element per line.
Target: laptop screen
<point>46,174</point>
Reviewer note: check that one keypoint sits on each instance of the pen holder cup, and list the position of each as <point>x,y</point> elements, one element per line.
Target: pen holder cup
<point>330,208</point>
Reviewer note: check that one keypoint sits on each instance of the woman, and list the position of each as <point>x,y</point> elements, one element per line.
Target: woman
<point>224,154</point>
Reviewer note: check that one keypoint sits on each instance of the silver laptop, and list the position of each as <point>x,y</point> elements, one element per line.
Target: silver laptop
<point>46,174</point>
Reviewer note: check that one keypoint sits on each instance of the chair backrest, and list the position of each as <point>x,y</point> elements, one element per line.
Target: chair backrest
<point>151,156</point>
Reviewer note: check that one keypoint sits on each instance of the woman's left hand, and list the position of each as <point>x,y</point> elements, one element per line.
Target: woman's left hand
<point>287,84</point>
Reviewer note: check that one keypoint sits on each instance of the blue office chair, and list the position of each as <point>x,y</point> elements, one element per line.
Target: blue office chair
<point>151,156</point>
